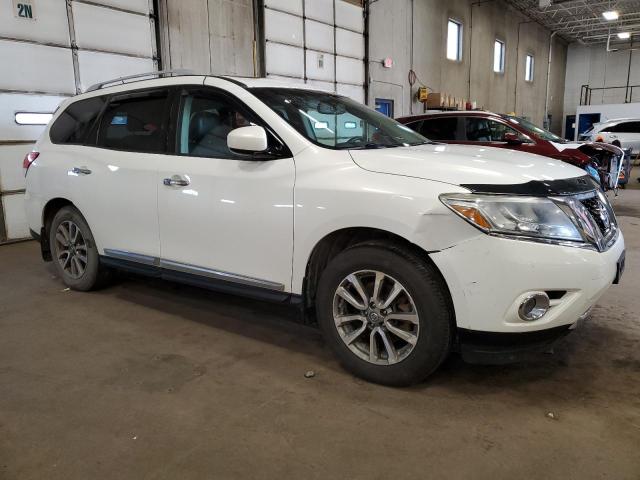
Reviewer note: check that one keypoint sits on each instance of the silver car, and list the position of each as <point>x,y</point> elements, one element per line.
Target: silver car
<point>622,132</point>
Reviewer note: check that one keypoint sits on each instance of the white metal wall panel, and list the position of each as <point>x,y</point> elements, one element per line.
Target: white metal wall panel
<point>50,25</point>
<point>97,66</point>
<point>10,103</point>
<point>349,44</point>
<point>320,66</point>
<point>11,166</point>
<point>319,36</point>
<point>327,86</point>
<point>36,68</point>
<point>140,6</point>
<point>321,10</point>
<point>284,60</point>
<point>349,70</point>
<point>291,6</point>
<point>102,28</point>
<point>355,92</point>
<point>283,28</point>
<point>15,216</point>
<point>287,80</point>
<point>349,16</point>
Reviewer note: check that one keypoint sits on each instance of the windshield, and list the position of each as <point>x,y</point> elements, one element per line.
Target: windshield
<point>531,128</point>
<point>337,122</point>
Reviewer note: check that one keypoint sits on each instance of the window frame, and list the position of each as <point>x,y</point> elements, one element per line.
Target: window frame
<point>499,121</point>
<point>529,67</point>
<point>503,54</point>
<point>175,123</point>
<point>460,39</point>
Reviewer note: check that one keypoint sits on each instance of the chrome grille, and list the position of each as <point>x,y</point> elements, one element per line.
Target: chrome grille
<point>599,213</point>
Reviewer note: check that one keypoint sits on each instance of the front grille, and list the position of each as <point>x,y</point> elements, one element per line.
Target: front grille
<point>598,212</point>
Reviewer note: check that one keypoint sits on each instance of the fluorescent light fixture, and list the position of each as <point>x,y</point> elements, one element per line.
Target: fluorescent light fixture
<point>29,118</point>
<point>624,35</point>
<point>610,15</point>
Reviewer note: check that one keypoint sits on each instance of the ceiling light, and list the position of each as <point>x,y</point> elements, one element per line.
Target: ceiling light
<point>624,35</point>
<point>610,15</point>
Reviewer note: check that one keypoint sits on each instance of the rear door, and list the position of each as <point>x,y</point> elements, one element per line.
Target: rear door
<point>224,215</point>
<point>114,183</point>
<point>442,129</point>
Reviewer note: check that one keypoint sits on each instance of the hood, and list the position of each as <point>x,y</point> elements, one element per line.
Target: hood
<point>464,164</point>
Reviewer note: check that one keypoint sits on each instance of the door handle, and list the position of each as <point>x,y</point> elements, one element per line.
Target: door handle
<point>176,181</point>
<point>81,170</point>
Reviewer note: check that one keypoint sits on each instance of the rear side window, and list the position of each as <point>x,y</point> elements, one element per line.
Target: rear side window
<point>440,128</point>
<point>75,123</point>
<point>625,127</point>
<point>134,122</point>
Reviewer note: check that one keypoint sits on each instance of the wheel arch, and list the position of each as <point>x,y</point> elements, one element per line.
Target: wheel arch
<point>48,212</point>
<point>339,240</point>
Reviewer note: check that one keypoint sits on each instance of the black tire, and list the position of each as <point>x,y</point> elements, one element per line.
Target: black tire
<point>94,275</point>
<point>430,296</point>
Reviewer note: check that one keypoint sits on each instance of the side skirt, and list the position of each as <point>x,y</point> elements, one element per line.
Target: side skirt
<point>202,281</point>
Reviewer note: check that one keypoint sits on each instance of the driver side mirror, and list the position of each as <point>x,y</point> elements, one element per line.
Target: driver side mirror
<point>512,138</point>
<point>252,139</point>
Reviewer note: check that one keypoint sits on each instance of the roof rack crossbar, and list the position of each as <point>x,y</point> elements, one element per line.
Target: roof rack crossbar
<point>140,76</point>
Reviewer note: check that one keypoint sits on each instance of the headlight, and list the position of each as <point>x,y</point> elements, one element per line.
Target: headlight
<point>531,217</point>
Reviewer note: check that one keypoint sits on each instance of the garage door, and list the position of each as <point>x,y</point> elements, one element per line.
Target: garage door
<point>317,42</point>
<point>49,50</point>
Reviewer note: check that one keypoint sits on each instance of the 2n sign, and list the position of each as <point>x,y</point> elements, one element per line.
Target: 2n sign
<point>24,9</point>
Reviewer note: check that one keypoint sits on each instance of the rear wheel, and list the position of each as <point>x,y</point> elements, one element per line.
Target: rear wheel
<point>74,251</point>
<point>385,313</point>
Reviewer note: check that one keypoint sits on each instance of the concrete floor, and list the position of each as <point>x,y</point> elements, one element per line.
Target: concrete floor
<point>153,380</point>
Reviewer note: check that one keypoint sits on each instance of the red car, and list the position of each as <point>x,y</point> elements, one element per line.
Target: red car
<point>601,160</point>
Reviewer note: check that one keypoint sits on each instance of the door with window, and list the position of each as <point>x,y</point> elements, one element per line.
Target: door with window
<point>223,214</point>
<point>113,173</point>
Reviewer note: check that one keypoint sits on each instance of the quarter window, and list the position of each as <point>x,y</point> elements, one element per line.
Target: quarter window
<point>454,40</point>
<point>75,123</point>
<point>134,122</point>
<point>498,56</point>
<point>529,68</point>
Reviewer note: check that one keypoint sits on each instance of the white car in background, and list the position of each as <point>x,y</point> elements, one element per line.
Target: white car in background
<point>401,249</point>
<point>621,132</point>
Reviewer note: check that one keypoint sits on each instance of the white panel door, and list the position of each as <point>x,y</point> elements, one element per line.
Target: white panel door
<point>320,10</point>
<point>284,60</point>
<point>95,67</point>
<point>283,28</point>
<point>319,36</point>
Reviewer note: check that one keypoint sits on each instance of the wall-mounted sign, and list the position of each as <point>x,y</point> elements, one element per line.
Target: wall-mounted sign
<point>24,9</point>
<point>320,60</point>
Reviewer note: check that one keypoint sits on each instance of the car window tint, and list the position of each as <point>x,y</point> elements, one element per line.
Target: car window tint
<point>134,122</point>
<point>480,129</point>
<point>440,128</point>
<point>74,124</point>
<point>206,118</point>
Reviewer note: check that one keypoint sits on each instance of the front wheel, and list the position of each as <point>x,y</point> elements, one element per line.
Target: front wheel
<point>385,314</point>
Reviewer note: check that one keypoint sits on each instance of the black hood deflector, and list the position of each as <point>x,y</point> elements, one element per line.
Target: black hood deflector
<point>539,188</point>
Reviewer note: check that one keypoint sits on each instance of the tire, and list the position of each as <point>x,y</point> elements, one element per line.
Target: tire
<point>428,337</point>
<point>80,269</point>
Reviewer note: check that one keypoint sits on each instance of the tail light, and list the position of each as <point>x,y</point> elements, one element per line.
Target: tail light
<point>29,158</point>
<point>600,139</point>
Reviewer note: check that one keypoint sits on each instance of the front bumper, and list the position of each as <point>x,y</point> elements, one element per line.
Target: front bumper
<point>488,278</point>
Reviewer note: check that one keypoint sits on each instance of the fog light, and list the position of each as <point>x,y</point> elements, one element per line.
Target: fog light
<point>534,306</point>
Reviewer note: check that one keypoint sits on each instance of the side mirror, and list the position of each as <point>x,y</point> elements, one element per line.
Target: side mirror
<point>512,139</point>
<point>252,139</point>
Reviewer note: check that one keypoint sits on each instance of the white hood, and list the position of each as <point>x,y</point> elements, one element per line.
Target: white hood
<point>464,164</point>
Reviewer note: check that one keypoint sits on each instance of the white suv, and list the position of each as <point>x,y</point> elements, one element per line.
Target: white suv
<point>622,132</point>
<point>401,249</point>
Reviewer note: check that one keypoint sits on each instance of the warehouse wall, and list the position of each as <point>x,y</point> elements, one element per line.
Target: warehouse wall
<point>473,77</point>
<point>596,67</point>
<point>208,36</point>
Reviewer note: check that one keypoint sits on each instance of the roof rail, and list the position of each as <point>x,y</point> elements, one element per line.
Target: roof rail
<point>139,77</point>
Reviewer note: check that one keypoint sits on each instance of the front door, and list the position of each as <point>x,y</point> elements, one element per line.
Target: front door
<point>224,215</point>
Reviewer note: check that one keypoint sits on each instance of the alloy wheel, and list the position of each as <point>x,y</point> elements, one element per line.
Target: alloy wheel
<point>71,249</point>
<point>376,317</point>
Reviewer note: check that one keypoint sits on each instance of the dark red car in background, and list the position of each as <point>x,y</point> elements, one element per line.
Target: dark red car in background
<point>601,160</point>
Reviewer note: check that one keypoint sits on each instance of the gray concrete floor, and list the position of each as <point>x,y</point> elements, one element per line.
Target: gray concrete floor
<point>152,380</point>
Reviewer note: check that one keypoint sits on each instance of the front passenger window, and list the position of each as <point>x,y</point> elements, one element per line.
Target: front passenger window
<point>205,121</point>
